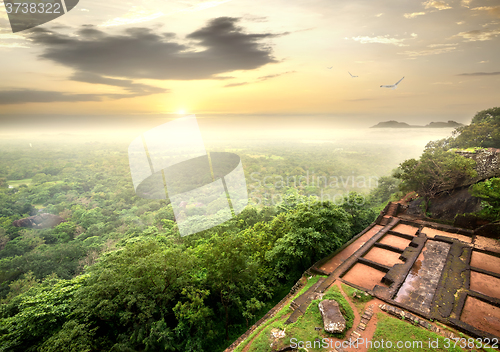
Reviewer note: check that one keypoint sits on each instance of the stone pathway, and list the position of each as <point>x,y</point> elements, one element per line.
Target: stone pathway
<point>365,318</point>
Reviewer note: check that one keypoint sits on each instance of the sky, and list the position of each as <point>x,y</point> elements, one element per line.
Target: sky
<point>251,63</point>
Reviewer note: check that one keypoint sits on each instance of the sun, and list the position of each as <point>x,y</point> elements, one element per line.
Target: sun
<point>181,112</point>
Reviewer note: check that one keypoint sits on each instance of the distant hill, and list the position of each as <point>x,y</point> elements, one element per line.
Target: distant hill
<point>396,124</point>
<point>392,124</point>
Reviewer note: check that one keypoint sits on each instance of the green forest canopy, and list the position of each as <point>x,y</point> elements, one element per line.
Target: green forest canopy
<point>117,276</point>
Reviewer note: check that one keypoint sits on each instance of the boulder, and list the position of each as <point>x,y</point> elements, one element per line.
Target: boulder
<point>40,221</point>
<point>333,320</point>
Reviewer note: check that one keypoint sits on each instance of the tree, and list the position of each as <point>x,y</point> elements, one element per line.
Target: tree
<point>194,318</point>
<point>130,293</point>
<point>483,131</point>
<point>489,191</point>
<point>35,315</point>
<point>436,171</point>
<point>312,231</point>
<point>232,274</point>
<point>387,185</point>
<point>355,204</point>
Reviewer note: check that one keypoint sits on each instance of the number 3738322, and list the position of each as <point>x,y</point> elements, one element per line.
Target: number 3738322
<point>33,7</point>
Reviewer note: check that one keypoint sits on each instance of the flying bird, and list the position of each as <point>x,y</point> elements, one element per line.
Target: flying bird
<point>393,86</point>
<point>351,74</point>
<point>330,67</point>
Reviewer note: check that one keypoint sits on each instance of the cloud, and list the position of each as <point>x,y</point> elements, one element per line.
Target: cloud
<point>440,5</point>
<point>137,14</point>
<point>6,37</point>
<point>135,89</point>
<point>479,35</point>
<point>236,84</point>
<point>260,79</point>
<point>139,53</point>
<point>480,74</point>
<point>380,40</point>
<point>359,99</point>
<point>492,10</point>
<point>465,3</point>
<point>441,45</point>
<point>254,18</point>
<point>414,14</point>
<point>264,78</point>
<point>13,45</point>
<point>23,96</point>
<point>203,5</point>
<point>432,49</point>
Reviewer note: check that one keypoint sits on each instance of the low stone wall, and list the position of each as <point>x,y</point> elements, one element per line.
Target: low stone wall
<point>268,315</point>
<point>401,314</point>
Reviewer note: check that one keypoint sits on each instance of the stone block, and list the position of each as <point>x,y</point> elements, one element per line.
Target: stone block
<point>333,320</point>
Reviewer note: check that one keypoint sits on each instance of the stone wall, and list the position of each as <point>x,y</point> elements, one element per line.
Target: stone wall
<point>268,315</point>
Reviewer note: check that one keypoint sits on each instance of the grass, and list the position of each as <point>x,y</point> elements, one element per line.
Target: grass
<point>303,328</point>
<point>361,298</point>
<point>261,343</point>
<point>17,183</point>
<point>415,338</point>
<point>471,150</point>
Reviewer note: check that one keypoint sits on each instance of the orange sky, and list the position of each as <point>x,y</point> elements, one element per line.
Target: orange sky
<point>227,57</point>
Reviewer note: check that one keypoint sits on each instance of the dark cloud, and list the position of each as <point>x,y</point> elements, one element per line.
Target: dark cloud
<point>480,74</point>
<point>141,53</point>
<point>135,89</point>
<point>23,96</point>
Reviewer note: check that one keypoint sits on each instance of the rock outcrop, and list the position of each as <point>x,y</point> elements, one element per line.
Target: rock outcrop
<point>40,221</point>
<point>487,164</point>
<point>447,205</point>
<point>333,320</point>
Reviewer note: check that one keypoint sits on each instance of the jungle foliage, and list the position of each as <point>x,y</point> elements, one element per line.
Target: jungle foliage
<point>117,276</point>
